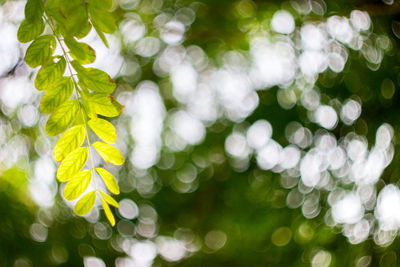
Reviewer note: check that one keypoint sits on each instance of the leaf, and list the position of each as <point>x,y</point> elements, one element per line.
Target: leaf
<point>87,106</point>
<point>94,79</point>
<point>34,10</point>
<point>61,92</point>
<point>109,180</point>
<point>40,50</point>
<point>28,31</point>
<point>85,30</point>
<point>104,130</point>
<point>97,80</point>
<point>80,51</point>
<point>102,19</point>
<point>69,141</point>
<point>104,104</point>
<point>109,153</point>
<point>110,200</point>
<point>62,118</point>
<point>85,204</point>
<point>70,16</point>
<point>101,4</point>
<point>116,105</point>
<point>77,184</point>
<point>49,74</point>
<point>72,164</point>
<point>108,212</point>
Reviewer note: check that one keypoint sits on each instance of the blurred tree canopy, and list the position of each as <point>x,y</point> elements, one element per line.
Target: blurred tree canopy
<point>255,133</point>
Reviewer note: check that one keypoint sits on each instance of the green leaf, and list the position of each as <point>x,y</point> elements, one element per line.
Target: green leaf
<point>109,153</point>
<point>72,15</point>
<point>109,180</point>
<point>102,19</point>
<point>69,141</point>
<point>85,204</point>
<point>62,118</point>
<point>101,4</point>
<point>110,200</point>
<point>86,104</point>
<point>94,79</point>
<point>104,130</point>
<point>104,104</point>
<point>49,74</point>
<point>61,92</point>
<point>85,30</point>
<point>34,10</point>
<point>28,31</point>
<point>72,164</point>
<point>77,184</point>
<point>97,80</point>
<point>40,50</point>
<point>108,212</point>
<point>80,51</point>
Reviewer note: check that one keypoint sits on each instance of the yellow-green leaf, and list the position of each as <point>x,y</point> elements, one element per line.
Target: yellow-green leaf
<point>62,118</point>
<point>96,80</point>
<point>28,31</point>
<point>109,153</point>
<point>77,184</point>
<point>104,104</point>
<point>80,51</point>
<point>110,200</point>
<point>69,141</point>
<point>85,204</point>
<point>108,212</point>
<point>72,164</point>
<point>49,74</point>
<point>109,181</point>
<point>104,130</point>
<point>59,93</point>
<point>40,50</point>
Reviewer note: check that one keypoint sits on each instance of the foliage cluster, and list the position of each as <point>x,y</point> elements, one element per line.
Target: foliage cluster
<point>76,97</point>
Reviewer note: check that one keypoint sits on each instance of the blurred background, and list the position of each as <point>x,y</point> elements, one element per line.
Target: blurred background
<point>256,133</point>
